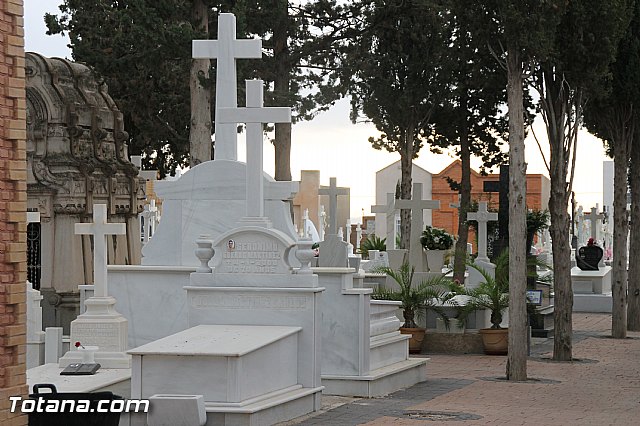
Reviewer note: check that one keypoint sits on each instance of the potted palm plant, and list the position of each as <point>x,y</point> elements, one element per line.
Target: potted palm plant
<point>436,242</point>
<point>491,294</point>
<point>429,294</point>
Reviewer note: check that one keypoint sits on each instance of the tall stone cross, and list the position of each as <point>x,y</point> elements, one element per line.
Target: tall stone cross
<point>417,205</point>
<point>333,192</point>
<point>226,50</point>
<point>482,216</point>
<point>100,228</point>
<point>389,210</point>
<point>593,217</point>
<point>255,114</point>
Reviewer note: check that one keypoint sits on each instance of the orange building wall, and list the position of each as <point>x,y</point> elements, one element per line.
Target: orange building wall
<point>13,210</point>
<point>447,217</point>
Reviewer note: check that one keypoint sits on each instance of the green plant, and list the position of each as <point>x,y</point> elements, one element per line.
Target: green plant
<point>537,220</point>
<point>436,239</point>
<point>372,242</point>
<point>491,294</point>
<point>429,294</point>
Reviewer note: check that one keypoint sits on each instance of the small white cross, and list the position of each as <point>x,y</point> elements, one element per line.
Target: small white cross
<point>482,216</point>
<point>333,191</point>
<point>100,228</point>
<point>226,50</point>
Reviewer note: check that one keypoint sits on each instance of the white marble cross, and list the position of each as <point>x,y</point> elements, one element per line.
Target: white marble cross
<point>417,205</point>
<point>100,228</point>
<point>333,191</point>
<point>389,210</point>
<point>358,235</point>
<point>594,217</point>
<point>482,216</point>
<point>255,115</point>
<point>348,228</point>
<point>226,50</point>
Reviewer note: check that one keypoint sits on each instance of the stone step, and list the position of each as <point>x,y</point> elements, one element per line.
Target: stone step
<point>388,349</point>
<point>269,409</point>
<point>378,382</point>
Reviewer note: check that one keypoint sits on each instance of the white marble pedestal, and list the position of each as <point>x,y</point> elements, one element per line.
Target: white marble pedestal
<point>102,326</point>
<point>591,290</point>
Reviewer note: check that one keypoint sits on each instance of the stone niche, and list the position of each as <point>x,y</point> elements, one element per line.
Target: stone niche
<point>77,156</point>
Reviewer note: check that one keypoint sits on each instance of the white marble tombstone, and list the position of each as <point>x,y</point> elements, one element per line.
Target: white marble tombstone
<point>389,210</point>
<point>253,349</point>
<point>101,325</point>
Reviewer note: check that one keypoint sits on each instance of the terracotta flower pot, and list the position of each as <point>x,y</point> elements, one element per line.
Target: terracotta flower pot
<point>495,340</point>
<point>417,336</point>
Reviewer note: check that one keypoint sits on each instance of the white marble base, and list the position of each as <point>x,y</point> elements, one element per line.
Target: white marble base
<point>592,303</point>
<point>275,408</point>
<point>378,382</point>
<point>176,410</point>
<point>102,326</point>
<point>248,374</point>
<point>591,282</point>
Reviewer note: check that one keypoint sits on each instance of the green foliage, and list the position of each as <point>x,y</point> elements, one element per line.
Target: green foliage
<point>416,299</point>
<point>436,239</point>
<point>372,242</point>
<point>537,220</point>
<point>142,51</point>
<point>491,294</point>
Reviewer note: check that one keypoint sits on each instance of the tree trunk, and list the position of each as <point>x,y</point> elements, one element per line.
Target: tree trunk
<point>406,166</point>
<point>558,202</point>
<point>200,130</point>
<point>517,362</point>
<point>633,309</point>
<point>459,265</point>
<point>559,230</point>
<point>620,233</point>
<point>282,142</point>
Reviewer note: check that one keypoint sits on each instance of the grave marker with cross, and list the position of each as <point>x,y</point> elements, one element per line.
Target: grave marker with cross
<point>594,217</point>
<point>226,50</point>
<point>389,210</point>
<point>416,204</point>
<point>255,114</point>
<point>482,216</point>
<point>100,228</point>
<point>333,192</point>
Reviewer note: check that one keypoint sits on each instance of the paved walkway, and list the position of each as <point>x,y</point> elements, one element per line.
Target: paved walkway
<point>602,387</point>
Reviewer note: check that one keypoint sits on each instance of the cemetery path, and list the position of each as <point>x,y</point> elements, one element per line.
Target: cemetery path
<point>602,386</point>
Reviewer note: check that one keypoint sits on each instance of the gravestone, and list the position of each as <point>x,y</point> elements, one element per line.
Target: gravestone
<point>101,325</point>
<point>334,250</point>
<point>588,258</point>
<point>76,156</point>
<point>482,216</point>
<point>417,205</point>
<point>253,317</point>
<point>502,188</point>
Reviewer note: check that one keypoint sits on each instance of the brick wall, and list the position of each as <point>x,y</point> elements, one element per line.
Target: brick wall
<point>13,206</point>
<point>447,216</point>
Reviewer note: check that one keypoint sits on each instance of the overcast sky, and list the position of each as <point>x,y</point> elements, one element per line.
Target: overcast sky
<point>332,144</point>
